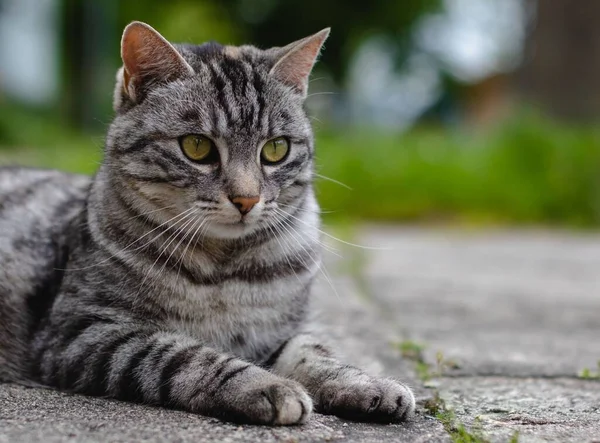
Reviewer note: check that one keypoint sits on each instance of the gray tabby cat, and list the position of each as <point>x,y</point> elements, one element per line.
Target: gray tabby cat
<point>179,275</point>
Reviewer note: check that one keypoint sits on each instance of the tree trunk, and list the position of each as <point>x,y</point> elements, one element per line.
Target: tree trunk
<point>561,72</point>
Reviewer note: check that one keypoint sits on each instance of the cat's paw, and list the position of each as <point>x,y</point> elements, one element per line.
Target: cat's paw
<point>266,399</point>
<point>366,399</point>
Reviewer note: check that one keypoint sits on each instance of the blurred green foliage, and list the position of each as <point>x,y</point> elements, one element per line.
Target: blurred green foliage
<point>528,170</point>
<point>183,20</point>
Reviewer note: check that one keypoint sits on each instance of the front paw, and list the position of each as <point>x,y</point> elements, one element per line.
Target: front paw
<point>264,399</point>
<point>366,399</point>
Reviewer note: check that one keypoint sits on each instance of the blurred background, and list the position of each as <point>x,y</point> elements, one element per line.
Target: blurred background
<point>475,112</point>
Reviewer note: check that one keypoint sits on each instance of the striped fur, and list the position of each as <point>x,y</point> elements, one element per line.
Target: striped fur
<point>145,283</point>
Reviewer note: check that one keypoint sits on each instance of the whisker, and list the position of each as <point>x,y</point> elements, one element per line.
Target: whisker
<point>325,246</point>
<point>374,248</point>
<point>287,229</point>
<point>164,248</point>
<point>320,265</point>
<point>148,213</point>
<point>194,221</point>
<point>321,93</point>
<point>182,215</point>
<point>337,182</point>
<point>284,250</point>
<point>181,259</point>
<point>319,211</point>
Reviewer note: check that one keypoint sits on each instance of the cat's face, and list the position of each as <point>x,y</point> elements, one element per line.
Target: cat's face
<point>215,133</point>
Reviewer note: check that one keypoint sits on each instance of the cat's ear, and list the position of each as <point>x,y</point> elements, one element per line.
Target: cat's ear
<point>295,61</point>
<point>148,58</point>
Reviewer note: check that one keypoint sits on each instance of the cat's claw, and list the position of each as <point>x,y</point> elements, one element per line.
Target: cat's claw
<point>370,399</point>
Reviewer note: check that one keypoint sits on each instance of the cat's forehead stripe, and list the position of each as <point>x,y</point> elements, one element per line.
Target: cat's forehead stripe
<point>205,51</point>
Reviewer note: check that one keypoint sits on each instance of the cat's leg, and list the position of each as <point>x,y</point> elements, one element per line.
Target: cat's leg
<point>340,389</point>
<point>135,363</point>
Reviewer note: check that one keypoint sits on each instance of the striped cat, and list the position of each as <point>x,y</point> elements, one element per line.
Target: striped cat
<point>179,275</point>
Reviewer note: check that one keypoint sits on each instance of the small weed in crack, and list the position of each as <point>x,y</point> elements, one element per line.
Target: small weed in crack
<point>458,431</point>
<point>435,405</point>
<point>414,351</point>
<point>588,374</point>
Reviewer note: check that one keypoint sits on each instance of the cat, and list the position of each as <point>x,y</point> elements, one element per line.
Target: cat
<point>179,274</point>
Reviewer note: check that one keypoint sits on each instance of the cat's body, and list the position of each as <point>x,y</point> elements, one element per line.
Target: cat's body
<point>181,276</point>
<point>37,209</point>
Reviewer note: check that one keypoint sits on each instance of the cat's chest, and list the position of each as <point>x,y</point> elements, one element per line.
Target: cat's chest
<point>240,317</point>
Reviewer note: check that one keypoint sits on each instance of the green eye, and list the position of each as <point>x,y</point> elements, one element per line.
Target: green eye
<point>275,150</point>
<point>197,147</point>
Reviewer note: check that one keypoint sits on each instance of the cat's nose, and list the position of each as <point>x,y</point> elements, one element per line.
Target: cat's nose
<point>244,204</point>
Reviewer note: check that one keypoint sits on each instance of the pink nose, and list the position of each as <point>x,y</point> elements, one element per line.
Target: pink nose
<point>244,204</point>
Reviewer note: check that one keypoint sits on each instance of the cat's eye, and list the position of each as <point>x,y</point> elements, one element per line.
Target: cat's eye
<point>199,148</point>
<point>274,151</point>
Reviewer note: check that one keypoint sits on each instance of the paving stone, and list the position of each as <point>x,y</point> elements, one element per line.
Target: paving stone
<point>540,410</point>
<point>517,312</point>
<point>496,303</point>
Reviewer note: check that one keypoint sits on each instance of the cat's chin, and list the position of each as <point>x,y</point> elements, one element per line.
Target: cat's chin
<point>231,231</point>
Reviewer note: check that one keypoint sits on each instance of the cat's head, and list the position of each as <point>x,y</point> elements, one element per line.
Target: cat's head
<point>217,131</point>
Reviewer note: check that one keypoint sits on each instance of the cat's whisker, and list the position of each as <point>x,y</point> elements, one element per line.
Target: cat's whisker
<point>165,246</point>
<point>325,246</point>
<point>197,228</point>
<point>126,248</point>
<point>328,248</point>
<point>200,222</point>
<point>332,180</point>
<point>201,238</point>
<point>143,214</point>
<point>202,235</point>
<point>374,248</point>
<point>283,249</point>
<point>321,93</point>
<point>295,254</point>
<point>320,265</point>
<point>319,211</point>
<point>194,221</point>
<point>179,217</point>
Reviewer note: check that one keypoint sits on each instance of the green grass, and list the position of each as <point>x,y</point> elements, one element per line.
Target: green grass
<point>39,139</point>
<point>526,171</point>
<point>411,350</point>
